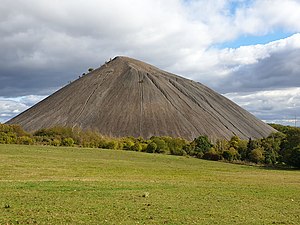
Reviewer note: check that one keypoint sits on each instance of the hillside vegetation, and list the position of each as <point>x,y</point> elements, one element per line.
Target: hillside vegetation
<point>278,149</point>
<point>63,185</point>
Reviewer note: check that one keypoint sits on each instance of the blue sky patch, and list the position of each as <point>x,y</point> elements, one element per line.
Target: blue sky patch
<point>246,40</point>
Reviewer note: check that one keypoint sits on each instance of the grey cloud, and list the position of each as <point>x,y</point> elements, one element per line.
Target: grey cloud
<point>279,70</point>
<point>279,106</point>
<point>28,82</point>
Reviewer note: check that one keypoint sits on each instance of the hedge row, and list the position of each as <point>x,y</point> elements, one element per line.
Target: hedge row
<point>281,148</point>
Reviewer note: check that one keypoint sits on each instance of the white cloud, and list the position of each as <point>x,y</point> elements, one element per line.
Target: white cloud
<point>265,16</point>
<point>10,107</point>
<point>252,54</point>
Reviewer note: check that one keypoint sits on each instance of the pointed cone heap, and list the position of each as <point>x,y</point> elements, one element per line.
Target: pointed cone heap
<point>126,97</point>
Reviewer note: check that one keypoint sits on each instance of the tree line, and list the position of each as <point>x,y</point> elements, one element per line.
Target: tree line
<point>278,149</point>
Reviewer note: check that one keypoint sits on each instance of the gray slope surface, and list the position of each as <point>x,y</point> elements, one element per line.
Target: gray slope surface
<point>127,97</point>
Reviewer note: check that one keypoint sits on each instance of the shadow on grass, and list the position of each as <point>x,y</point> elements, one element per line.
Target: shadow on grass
<point>286,168</point>
<point>262,166</point>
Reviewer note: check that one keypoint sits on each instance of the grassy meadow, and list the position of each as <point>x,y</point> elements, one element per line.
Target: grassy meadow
<point>57,185</point>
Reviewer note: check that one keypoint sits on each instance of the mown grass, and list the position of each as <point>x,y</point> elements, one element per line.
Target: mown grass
<point>49,185</point>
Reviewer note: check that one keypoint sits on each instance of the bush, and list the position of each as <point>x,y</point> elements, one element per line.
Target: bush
<point>67,142</point>
<point>91,139</point>
<point>8,138</point>
<point>293,137</point>
<point>177,151</point>
<point>231,154</point>
<point>242,148</point>
<point>137,147</point>
<point>128,143</point>
<point>59,132</point>
<point>109,144</point>
<point>212,156</point>
<point>24,140</point>
<point>294,159</point>
<point>221,146</point>
<point>202,145</point>
<point>144,147</point>
<point>189,149</point>
<point>10,134</point>
<point>175,146</point>
<point>42,140</point>
<point>151,148</point>
<point>161,146</point>
<point>56,142</point>
<point>234,142</point>
<point>16,129</point>
<point>257,155</point>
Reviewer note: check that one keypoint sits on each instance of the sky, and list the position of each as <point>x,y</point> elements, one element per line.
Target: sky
<point>247,50</point>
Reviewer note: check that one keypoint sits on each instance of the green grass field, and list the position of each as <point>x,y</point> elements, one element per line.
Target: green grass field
<point>49,185</point>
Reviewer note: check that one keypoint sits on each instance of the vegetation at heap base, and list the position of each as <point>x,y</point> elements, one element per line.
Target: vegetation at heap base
<point>278,149</point>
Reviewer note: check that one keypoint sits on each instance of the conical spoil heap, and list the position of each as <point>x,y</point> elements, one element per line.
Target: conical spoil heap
<point>127,97</point>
